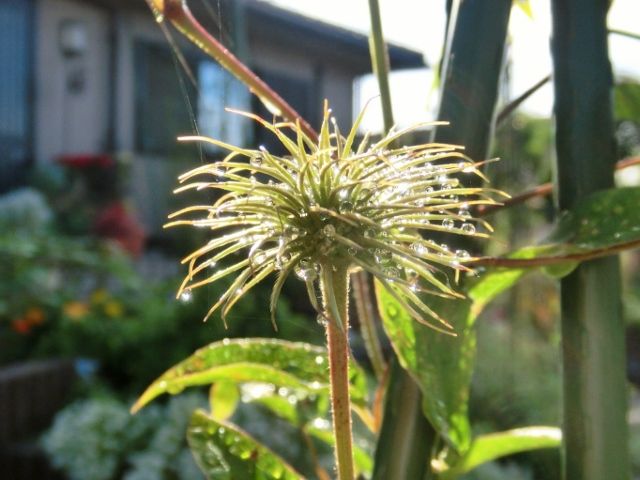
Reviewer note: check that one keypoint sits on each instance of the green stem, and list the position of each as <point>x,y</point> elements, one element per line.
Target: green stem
<point>593,347</point>
<point>406,436</point>
<point>624,33</point>
<point>177,12</point>
<point>380,63</point>
<point>366,318</point>
<point>335,293</point>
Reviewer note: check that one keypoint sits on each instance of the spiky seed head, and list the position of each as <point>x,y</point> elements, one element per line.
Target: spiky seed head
<point>332,205</point>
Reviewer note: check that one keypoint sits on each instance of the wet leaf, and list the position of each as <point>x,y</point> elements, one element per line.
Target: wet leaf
<point>441,364</point>
<point>298,366</point>
<point>223,400</point>
<point>224,452</point>
<point>486,448</point>
<point>603,219</point>
<point>627,101</point>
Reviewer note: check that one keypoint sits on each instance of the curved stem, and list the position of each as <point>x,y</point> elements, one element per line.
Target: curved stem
<point>335,294</point>
<point>542,191</point>
<point>177,12</point>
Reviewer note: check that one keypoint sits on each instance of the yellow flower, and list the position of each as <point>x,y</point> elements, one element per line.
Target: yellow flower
<point>75,310</point>
<point>99,296</point>
<point>113,308</point>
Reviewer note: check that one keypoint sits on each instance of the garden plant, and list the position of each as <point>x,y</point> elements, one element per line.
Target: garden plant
<point>397,223</point>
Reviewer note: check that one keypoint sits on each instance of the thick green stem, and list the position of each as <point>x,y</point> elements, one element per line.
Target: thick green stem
<point>593,347</point>
<point>335,292</point>
<point>403,450</point>
<point>406,437</point>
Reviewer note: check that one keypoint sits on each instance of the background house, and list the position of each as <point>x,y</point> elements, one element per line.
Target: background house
<point>101,76</point>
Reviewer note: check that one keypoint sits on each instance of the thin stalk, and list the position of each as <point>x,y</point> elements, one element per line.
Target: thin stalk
<point>380,63</point>
<point>335,293</point>
<point>593,345</point>
<point>406,437</point>
<point>624,33</point>
<point>178,13</point>
<point>366,317</point>
<point>541,191</point>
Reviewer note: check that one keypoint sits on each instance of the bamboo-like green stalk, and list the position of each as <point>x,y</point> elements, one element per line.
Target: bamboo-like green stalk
<point>406,437</point>
<point>335,293</point>
<point>476,37</point>
<point>593,346</point>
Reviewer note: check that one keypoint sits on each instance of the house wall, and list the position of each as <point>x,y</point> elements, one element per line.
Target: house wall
<point>68,121</point>
<point>334,82</point>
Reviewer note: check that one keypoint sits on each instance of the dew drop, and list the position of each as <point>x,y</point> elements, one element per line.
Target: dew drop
<point>329,230</point>
<point>256,161</point>
<point>419,248</point>
<point>305,272</point>
<point>468,228</point>
<point>391,272</point>
<point>448,223</point>
<point>370,233</point>
<point>382,255</point>
<point>186,295</point>
<point>346,206</point>
<point>322,320</point>
<point>462,254</point>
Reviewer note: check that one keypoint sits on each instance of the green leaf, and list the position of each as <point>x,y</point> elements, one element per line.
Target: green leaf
<point>224,452</point>
<point>298,366</point>
<point>442,365</point>
<point>604,223</point>
<point>486,448</point>
<point>627,101</point>
<point>223,399</point>
<point>602,220</point>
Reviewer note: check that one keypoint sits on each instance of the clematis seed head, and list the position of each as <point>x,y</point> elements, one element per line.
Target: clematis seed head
<point>332,204</point>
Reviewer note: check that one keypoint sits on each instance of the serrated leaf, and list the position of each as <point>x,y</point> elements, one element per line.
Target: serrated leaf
<point>298,366</point>
<point>223,399</point>
<point>224,452</point>
<point>486,448</point>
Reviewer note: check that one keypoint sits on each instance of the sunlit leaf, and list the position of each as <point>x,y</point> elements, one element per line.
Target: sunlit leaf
<point>486,448</point>
<point>601,220</point>
<point>627,101</point>
<point>223,399</point>
<point>441,364</point>
<point>224,452</point>
<point>297,366</point>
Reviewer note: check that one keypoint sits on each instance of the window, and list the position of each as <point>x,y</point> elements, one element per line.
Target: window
<point>165,95</point>
<point>15,91</point>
